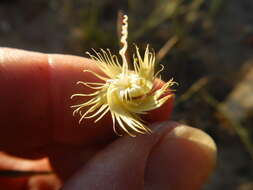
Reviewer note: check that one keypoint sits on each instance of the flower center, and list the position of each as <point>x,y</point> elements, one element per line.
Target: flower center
<point>130,85</point>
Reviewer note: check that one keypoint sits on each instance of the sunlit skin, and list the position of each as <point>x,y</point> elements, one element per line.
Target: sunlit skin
<point>36,122</point>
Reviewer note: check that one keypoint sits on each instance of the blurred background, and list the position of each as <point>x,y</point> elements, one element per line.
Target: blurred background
<point>205,45</point>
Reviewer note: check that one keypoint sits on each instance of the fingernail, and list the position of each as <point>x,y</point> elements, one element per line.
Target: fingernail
<point>194,135</point>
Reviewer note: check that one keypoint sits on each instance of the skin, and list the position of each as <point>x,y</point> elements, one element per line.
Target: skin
<point>39,133</point>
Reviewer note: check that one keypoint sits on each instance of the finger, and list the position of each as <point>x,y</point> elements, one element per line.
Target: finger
<point>174,157</point>
<point>36,182</point>
<point>9,162</point>
<point>35,102</point>
<point>43,182</point>
<point>17,173</point>
<point>183,159</point>
<point>27,112</point>
<point>13,183</point>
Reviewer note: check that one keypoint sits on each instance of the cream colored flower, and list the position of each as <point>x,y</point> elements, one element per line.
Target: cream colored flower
<point>124,93</point>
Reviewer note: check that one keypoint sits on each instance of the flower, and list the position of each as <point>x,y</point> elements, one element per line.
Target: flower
<point>124,93</point>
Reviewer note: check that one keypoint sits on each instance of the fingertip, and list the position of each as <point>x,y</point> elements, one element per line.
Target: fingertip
<point>183,159</point>
<point>43,182</point>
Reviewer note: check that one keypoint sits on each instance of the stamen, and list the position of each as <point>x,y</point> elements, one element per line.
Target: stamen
<point>114,125</point>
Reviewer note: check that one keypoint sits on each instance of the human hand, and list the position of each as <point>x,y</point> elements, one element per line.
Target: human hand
<point>37,122</point>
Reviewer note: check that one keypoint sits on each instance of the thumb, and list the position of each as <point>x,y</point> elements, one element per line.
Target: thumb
<point>174,157</point>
